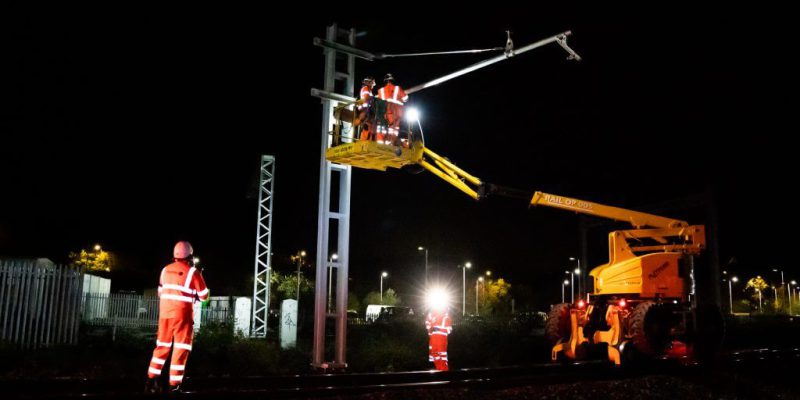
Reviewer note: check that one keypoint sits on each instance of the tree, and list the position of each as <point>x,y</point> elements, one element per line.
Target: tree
<point>496,300</point>
<point>390,298</point>
<point>92,261</point>
<point>755,286</point>
<point>353,303</point>
<point>286,285</point>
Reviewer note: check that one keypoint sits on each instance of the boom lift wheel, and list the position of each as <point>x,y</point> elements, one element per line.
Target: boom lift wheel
<point>557,326</point>
<point>649,326</point>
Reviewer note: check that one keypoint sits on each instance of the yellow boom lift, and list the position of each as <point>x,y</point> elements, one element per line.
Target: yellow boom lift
<point>642,296</point>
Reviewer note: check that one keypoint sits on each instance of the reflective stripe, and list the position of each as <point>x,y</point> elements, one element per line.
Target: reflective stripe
<point>183,346</point>
<point>203,292</point>
<point>395,101</point>
<point>189,277</point>
<point>177,367</point>
<point>177,297</point>
<point>154,371</point>
<point>158,360</point>
<point>439,333</point>
<point>177,287</point>
<point>396,92</point>
<point>380,94</point>
<point>405,98</point>
<point>163,344</point>
<point>175,378</point>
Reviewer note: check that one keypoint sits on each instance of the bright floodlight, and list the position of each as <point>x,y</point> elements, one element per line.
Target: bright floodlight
<point>793,282</point>
<point>566,282</point>
<point>196,260</point>
<point>302,253</point>
<point>469,264</point>
<point>412,115</point>
<point>97,247</point>
<point>577,271</point>
<point>734,279</point>
<point>437,299</point>
<point>384,274</point>
<point>334,257</point>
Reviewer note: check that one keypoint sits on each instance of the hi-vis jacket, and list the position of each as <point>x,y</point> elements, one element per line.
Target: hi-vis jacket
<point>393,94</point>
<point>439,323</point>
<point>366,95</point>
<point>180,285</point>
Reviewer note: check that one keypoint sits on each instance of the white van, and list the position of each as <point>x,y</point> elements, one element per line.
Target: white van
<point>373,311</point>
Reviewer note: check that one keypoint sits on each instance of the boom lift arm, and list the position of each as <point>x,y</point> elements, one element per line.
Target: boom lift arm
<point>691,239</point>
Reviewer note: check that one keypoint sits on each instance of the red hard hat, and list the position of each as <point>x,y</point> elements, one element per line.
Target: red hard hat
<point>183,249</point>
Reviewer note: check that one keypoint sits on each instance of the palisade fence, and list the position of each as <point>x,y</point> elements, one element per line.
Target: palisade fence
<point>43,304</point>
<point>40,304</point>
<point>121,310</point>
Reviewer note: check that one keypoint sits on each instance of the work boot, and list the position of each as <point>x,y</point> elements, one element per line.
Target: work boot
<point>152,386</point>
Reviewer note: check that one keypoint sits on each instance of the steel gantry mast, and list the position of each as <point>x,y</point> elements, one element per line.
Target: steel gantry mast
<point>263,265</point>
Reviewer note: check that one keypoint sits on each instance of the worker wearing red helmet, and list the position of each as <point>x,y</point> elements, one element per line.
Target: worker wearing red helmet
<point>180,285</point>
<point>365,96</point>
<point>396,98</point>
<point>439,325</point>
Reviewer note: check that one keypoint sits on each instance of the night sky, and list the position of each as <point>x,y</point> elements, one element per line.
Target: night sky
<point>138,128</point>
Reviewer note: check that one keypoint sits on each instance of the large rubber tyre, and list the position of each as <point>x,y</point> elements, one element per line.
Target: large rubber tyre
<point>557,325</point>
<point>708,334</point>
<point>649,328</point>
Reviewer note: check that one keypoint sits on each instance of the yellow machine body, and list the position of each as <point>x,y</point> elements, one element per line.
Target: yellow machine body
<point>373,155</point>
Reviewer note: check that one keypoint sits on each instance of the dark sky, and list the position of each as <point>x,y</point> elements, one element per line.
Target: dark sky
<point>137,128</point>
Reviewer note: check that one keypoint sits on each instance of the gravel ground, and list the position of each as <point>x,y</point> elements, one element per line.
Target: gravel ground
<point>651,387</point>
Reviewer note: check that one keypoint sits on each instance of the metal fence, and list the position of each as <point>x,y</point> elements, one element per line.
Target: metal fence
<point>120,310</point>
<point>39,303</point>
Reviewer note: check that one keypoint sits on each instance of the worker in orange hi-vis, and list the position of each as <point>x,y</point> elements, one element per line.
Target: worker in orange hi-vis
<point>181,284</point>
<point>365,96</point>
<point>396,98</point>
<point>439,326</point>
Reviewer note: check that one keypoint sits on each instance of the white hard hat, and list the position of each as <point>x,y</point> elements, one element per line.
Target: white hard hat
<point>183,249</point>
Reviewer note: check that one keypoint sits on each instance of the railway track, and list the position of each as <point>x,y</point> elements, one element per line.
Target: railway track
<point>323,385</point>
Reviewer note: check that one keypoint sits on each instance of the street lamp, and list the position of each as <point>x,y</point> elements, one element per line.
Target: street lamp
<point>333,258</point>
<point>581,284</point>
<point>464,287</point>
<point>730,291</point>
<point>480,279</point>
<point>759,300</point>
<point>572,287</point>
<point>565,283</point>
<point>97,247</point>
<point>420,248</point>
<point>196,261</point>
<point>775,291</point>
<point>792,283</point>
<point>299,258</point>
<point>781,271</point>
<point>383,275</point>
